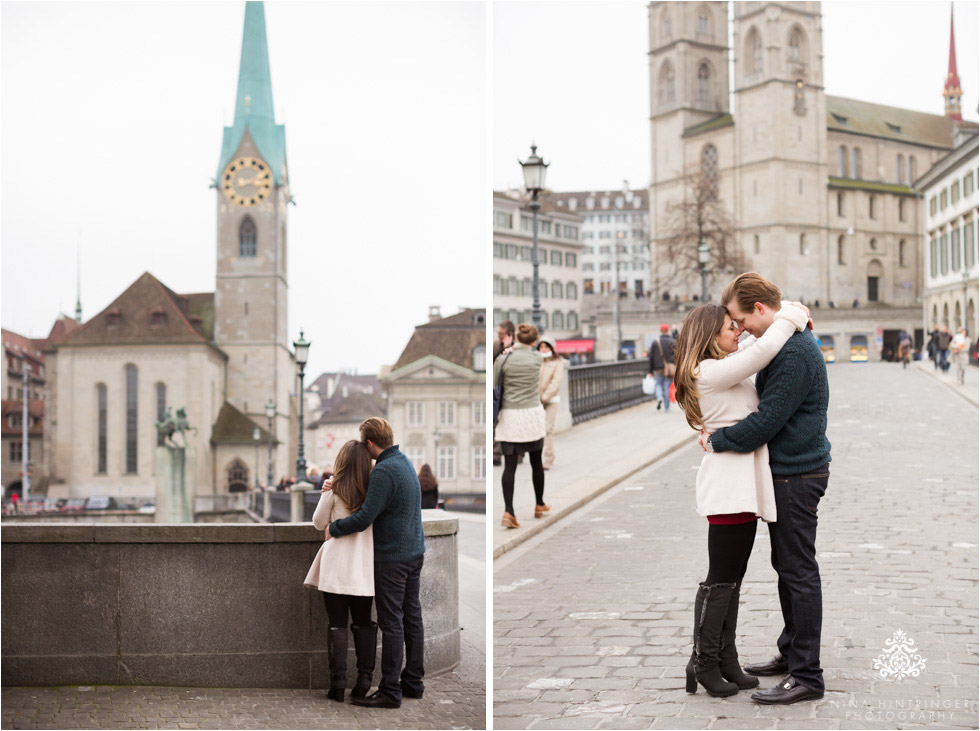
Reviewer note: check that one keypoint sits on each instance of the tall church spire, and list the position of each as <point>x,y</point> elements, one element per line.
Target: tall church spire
<point>952,91</point>
<point>254,111</point>
<point>78,284</point>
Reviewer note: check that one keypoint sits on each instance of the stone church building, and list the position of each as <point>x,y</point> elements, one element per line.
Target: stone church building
<point>222,355</point>
<point>819,188</point>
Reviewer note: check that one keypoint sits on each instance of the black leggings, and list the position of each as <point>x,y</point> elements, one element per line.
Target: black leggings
<point>338,606</point>
<point>729,548</point>
<point>537,478</point>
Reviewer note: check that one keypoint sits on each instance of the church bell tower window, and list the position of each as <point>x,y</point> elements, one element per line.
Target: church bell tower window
<point>246,238</point>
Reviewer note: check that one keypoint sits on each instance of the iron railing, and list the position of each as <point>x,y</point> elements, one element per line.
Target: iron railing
<point>602,388</point>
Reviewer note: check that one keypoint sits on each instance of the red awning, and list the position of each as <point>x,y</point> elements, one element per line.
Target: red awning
<point>574,346</point>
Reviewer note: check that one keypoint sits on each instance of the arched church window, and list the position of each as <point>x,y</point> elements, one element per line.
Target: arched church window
<point>803,250</point>
<point>900,168</point>
<point>237,476</point>
<point>103,421</point>
<point>902,253</point>
<point>246,238</point>
<point>131,414</point>
<point>756,244</point>
<point>667,84</point>
<point>911,169</point>
<point>840,251</point>
<point>794,46</point>
<point>704,78</point>
<point>709,170</point>
<point>480,358</point>
<point>856,163</point>
<point>161,408</point>
<point>665,25</point>
<point>754,53</point>
<point>704,22</point>
<point>842,162</point>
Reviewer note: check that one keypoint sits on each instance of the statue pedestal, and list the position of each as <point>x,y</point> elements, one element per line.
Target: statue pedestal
<point>176,484</point>
<point>297,500</point>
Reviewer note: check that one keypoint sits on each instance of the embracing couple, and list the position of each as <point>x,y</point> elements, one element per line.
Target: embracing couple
<point>373,550</point>
<point>767,457</point>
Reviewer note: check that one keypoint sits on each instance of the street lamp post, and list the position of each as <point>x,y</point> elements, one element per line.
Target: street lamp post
<point>966,284</point>
<point>616,309</point>
<point>302,348</point>
<point>534,170</point>
<point>256,437</point>
<point>270,414</point>
<point>704,256</point>
<point>25,452</point>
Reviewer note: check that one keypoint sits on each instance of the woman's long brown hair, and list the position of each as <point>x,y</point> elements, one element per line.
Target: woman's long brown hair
<point>427,479</point>
<point>352,468</point>
<point>696,343</point>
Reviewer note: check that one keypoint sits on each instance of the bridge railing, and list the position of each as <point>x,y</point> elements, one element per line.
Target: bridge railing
<point>602,388</point>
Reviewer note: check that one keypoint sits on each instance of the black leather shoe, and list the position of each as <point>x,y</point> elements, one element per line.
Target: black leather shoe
<point>409,693</point>
<point>376,700</point>
<point>776,666</point>
<point>788,691</point>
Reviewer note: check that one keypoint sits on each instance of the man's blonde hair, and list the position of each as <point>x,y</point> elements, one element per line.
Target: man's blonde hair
<point>377,430</point>
<point>747,289</point>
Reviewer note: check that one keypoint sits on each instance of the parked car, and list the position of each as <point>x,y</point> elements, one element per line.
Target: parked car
<point>75,505</point>
<point>100,502</point>
<point>148,508</point>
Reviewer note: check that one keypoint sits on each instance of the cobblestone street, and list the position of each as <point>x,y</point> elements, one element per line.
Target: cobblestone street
<point>593,617</point>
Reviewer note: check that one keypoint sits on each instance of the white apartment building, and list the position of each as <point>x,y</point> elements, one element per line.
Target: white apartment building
<point>559,263</point>
<point>950,195</point>
<point>615,239</point>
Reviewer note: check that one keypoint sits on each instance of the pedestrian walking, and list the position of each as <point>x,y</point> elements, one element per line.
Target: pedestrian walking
<point>430,487</point>
<point>932,348</point>
<point>959,349</point>
<point>15,500</point>
<point>943,339</point>
<point>714,389</point>
<point>552,372</point>
<point>521,421</point>
<point>904,348</point>
<point>792,420</point>
<point>503,344</point>
<point>343,571</point>
<point>662,366</point>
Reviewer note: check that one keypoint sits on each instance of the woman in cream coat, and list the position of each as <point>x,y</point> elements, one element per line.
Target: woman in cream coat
<point>343,571</point>
<point>552,371</point>
<point>714,388</point>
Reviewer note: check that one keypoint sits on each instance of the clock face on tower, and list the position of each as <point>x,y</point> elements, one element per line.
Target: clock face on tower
<point>246,181</point>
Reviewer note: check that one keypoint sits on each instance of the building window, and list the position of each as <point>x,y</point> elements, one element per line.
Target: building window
<point>944,253</point>
<point>840,205</point>
<point>447,413</point>
<point>968,183</point>
<point>571,291</point>
<point>856,163</point>
<point>803,250</point>
<point>666,87</point>
<point>911,169</point>
<point>969,245</point>
<point>102,426</point>
<point>479,411</point>
<point>571,323</point>
<point>756,244</point>
<point>446,463</point>
<point>942,200</point>
<point>842,162</point>
<point>131,402</point>
<point>246,238</point>
<point>902,254</point>
<point>556,290</point>
<point>954,240</point>
<point>900,169</point>
<point>709,170</point>
<point>840,251</point>
<point>480,358</point>
<point>704,22</point>
<point>416,455</point>
<point>932,206</point>
<point>16,451</point>
<point>954,192</point>
<point>237,476</point>
<point>873,244</point>
<point>871,206</point>
<point>704,80</point>
<point>558,320</point>
<point>755,53</point>
<point>479,463</point>
<point>416,413</point>
<point>556,258</point>
<point>901,209</point>
<point>504,219</point>
<point>571,260</point>
<point>795,43</point>
<point>665,25</point>
<point>161,409</point>
<point>933,258</point>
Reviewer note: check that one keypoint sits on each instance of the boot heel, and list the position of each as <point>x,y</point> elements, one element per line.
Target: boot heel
<point>692,684</point>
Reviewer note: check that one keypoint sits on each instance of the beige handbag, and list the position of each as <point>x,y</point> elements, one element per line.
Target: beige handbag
<point>669,368</point>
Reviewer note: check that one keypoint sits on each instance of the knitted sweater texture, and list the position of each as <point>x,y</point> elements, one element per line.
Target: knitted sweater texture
<point>394,506</point>
<point>792,416</point>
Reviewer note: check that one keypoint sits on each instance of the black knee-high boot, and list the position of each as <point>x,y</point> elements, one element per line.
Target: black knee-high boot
<point>365,646</point>
<point>710,609</point>
<point>728,663</point>
<point>337,640</point>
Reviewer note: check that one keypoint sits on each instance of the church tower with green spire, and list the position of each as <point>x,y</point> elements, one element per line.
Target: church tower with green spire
<point>252,190</point>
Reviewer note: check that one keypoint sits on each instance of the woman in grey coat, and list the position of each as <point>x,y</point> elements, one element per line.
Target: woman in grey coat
<point>521,422</point>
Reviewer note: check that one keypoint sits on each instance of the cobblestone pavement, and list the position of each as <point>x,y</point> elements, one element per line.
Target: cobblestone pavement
<point>592,619</point>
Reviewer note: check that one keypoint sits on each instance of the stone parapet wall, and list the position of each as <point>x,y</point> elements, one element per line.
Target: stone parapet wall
<point>189,605</point>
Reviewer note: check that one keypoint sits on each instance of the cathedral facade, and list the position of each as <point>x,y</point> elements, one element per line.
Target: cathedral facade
<point>222,355</point>
<point>819,189</point>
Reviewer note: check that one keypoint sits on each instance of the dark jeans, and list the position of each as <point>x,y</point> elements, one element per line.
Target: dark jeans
<point>396,595</point>
<point>944,360</point>
<point>794,557</point>
<point>340,605</point>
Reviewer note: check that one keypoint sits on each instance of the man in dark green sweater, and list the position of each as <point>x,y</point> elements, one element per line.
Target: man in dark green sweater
<point>393,504</point>
<point>792,420</point>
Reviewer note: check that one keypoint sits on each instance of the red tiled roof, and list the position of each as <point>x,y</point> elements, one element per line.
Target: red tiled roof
<point>451,338</point>
<point>20,346</point>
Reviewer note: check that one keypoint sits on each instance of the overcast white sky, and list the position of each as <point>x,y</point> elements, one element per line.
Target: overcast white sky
<point>110,128</point>
<point>573,76</point>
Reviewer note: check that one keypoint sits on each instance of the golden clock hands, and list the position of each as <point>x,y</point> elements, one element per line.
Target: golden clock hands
<point>254,180</point>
